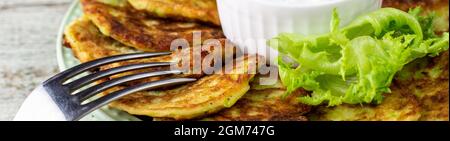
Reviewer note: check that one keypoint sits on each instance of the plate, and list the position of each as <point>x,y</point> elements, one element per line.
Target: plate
<point>66,60</point>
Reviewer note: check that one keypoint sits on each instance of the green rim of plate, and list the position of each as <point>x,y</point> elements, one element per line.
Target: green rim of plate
<point>66,60</point>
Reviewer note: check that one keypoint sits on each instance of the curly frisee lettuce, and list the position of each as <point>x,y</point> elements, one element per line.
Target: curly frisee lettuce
<point>356,64</point>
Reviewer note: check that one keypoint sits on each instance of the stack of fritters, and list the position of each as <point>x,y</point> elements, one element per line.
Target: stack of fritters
<point>112,27</point>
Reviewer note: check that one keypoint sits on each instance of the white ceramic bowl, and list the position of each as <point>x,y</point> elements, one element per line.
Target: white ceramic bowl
<point>249,23</point>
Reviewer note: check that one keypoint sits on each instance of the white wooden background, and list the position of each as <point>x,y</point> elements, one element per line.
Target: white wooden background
<point>28,31</point>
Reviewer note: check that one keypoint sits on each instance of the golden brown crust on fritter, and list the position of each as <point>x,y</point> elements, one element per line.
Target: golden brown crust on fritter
<point>192,10</point>
<point>427,79</point>
<point>139,30</point>
<point>205,96</point>
<point>435,105</point>
<point>265,105</point>
<point>89,44</point>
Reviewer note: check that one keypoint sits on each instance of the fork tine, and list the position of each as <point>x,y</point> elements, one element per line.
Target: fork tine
<point>92,91</point>
<point>106,73</point>
<point>146,86</point>
<point>108,60</point>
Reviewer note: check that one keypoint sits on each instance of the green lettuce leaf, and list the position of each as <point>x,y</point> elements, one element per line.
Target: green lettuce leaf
<point>426,22</point>
<point>355,64</point>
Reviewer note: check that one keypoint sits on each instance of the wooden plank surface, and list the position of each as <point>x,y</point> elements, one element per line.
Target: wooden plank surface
<point>28,31</point>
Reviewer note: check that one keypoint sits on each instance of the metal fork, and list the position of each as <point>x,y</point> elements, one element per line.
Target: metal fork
<point>69,102</point>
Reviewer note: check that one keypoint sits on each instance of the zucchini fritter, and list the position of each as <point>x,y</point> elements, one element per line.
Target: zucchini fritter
<point>262,103</point>
<point>140,30</point>
<point>197,10</point>
<point>88,44</point>
<point>265,105</point>
<point>206,96</point>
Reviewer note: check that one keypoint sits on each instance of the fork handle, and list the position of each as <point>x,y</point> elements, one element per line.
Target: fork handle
<point>39,106</point>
